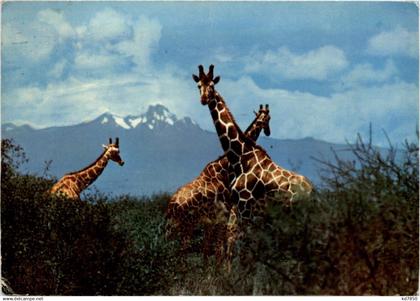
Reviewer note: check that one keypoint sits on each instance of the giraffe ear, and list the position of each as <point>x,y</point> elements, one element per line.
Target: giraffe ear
<point>256,114</point>
<point>216,79</point>
<point>195,78</point>
<point>104,146</point>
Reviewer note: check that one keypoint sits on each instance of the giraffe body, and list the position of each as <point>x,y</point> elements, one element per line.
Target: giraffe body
<point>256,175</point>
<point>205,199</point>
<point>72,184</point>
<point>261,177</point>
<point>202,201</point>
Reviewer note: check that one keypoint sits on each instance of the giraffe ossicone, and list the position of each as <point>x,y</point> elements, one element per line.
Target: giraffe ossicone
<point>72,184</point>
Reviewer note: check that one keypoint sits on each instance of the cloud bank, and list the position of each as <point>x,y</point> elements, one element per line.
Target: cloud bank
<point>317,64</point>
<point>397,42</point>
<point>110,62</point>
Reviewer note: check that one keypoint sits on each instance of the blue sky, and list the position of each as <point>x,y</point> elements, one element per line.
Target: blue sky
<point>327,69</point>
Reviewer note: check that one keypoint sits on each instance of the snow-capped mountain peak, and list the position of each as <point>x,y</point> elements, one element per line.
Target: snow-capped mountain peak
<point>113,119</point>
<point>155,116</point>
<point>135,121</point>
<point>121,122</point>
<point>159,113</point>
<point>104,120</point>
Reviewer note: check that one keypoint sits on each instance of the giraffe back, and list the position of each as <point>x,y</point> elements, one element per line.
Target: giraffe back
<point>261,178</point>
<point>199,197</point>
<point>67,187</point>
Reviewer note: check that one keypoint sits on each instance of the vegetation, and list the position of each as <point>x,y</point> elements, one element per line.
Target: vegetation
<point>356,236</point>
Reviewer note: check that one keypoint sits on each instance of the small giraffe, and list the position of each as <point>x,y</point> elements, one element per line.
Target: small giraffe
<point>72,184</point>
<point>204,200</point>
<point>256,175</point>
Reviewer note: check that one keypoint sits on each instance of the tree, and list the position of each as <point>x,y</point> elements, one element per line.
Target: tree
<point>12,156</point>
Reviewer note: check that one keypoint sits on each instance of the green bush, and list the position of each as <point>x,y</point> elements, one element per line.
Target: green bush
<point>356,236</point>
<point>53,246</point>
<point>99,246</point>
<point>155,265</point>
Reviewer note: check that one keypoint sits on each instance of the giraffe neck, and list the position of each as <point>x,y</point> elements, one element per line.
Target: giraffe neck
<point>87,176</point>
<point>253,131</point>
<point>233,140</point>
<point>226,127</point>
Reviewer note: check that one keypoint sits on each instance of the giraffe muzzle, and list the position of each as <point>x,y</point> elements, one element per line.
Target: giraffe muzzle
<point>121,163</point>
<point>203,100</point>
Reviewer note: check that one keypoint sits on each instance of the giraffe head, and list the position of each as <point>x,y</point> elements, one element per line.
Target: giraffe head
<point>206,83</point>
<point>113,149</point>
<point>263,119</point>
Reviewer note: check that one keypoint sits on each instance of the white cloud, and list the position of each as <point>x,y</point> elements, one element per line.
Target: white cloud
<point>11,35</point>
<point>399,41</point>
<point>28,46</point>
<point>146,36</point>
<point>46,31</point>
<point>367,74</point>
<point>316,64</point>
<point>73,100</point>
<point>106,41</point>
<point>96,61</point>
<point>57,21</point>
<point>393,107</point>
<point>110,40</point>
<point>106,25</point>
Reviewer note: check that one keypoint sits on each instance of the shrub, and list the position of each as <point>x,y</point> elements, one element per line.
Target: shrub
<point>357,236</point>
<point>154,267</point>
<point>99,246</point>
<point>53,246</point>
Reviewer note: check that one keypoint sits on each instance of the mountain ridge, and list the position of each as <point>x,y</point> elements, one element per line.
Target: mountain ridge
<point>161,151</point>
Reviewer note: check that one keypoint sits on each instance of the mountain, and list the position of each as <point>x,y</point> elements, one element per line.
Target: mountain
<point>161,151</point>
<point>156,117</point>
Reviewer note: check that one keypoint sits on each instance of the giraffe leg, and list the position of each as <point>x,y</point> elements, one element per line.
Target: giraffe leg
<point>171,229</point>
<point>220,243</point>
<point>182,233</point>
<point>207,242</point>
<point>186,234</point>
<point>232,236</point>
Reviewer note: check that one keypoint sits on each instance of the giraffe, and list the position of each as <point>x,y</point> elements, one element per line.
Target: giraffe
<point>72,184</point>
<point>204,200</point>
<point>257,176</point>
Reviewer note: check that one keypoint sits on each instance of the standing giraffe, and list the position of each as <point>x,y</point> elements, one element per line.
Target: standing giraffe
<point>205,199</point>
<point>256,175</point>
<point>72,184</point>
